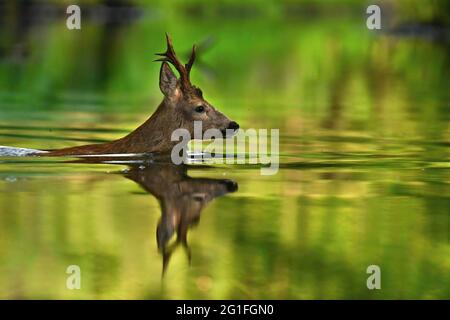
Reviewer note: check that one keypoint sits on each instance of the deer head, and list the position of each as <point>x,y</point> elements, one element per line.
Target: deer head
<point>184,101</point>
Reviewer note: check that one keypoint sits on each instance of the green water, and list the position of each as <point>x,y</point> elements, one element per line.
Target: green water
<point>364,163</point>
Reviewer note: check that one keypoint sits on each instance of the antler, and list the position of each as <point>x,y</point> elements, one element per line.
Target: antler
<point>183,70</point>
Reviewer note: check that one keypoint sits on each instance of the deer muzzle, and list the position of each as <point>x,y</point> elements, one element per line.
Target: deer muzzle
<point>230,130</point>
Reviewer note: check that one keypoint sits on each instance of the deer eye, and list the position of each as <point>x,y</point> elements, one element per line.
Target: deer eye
<point>199,109</point>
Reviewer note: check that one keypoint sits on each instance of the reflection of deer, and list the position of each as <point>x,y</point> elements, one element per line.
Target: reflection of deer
<point>182,199</point>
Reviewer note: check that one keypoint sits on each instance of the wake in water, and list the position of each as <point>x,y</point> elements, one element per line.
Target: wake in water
<point>5,151</point>
<point>120,158</point>
<point>18,152</point>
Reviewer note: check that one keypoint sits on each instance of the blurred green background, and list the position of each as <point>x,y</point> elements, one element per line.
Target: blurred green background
<point>364,136</point>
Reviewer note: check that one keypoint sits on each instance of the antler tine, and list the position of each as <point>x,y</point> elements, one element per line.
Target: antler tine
<point>170,56</point>
<point>170,53</point>
<point>188,65</point>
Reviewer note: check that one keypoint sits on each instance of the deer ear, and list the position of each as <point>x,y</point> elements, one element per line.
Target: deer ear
<point>167,81</point>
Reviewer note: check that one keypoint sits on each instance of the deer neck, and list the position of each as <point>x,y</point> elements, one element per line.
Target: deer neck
<point>154,135</point>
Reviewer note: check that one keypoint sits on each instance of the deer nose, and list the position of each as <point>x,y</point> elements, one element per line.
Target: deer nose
<point>230,185</point>
<point>233,125</point>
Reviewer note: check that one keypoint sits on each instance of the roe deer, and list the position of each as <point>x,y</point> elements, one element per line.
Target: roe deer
<point>183,104</point>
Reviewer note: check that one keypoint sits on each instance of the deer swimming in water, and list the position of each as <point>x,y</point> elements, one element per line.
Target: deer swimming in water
<point>183,104</point>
